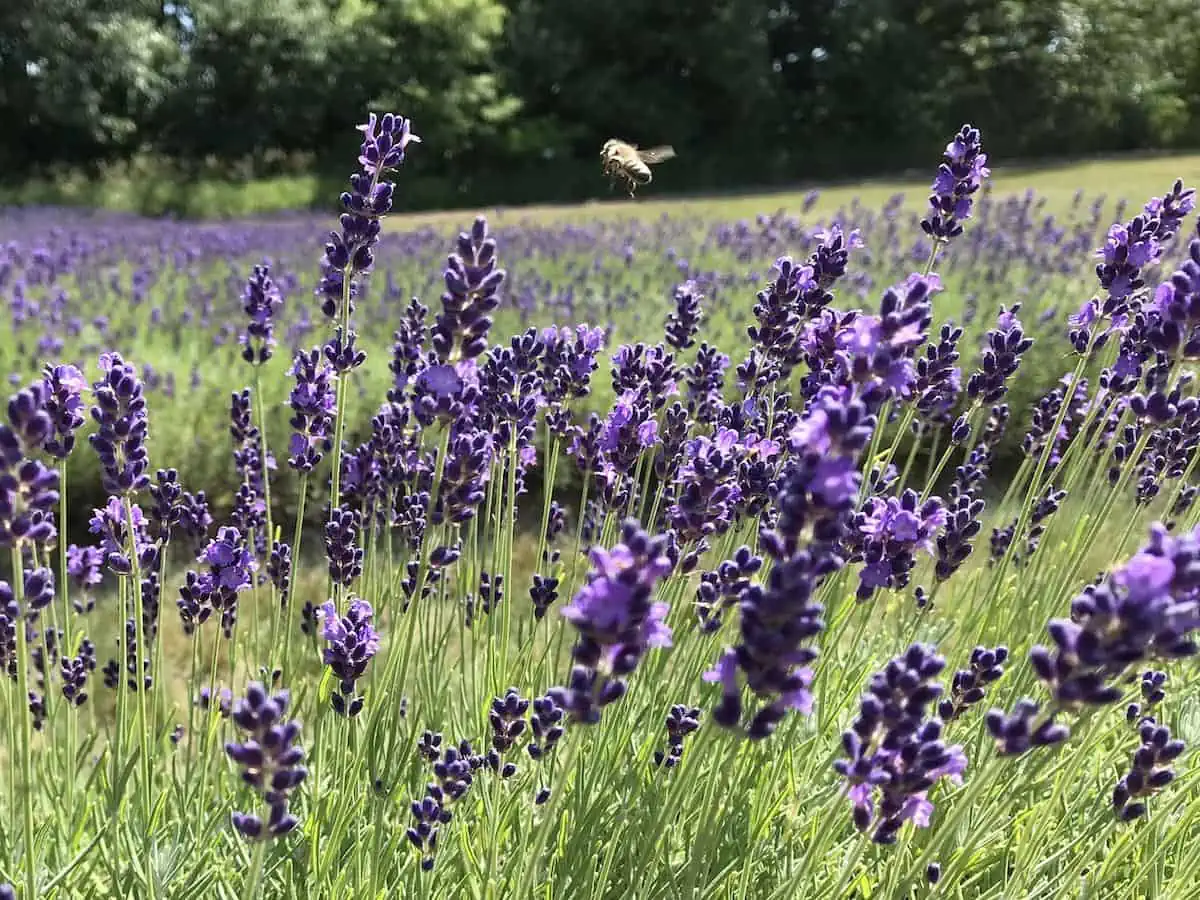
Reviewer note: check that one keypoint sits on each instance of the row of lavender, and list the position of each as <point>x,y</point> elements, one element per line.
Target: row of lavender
<point>168,295</point>
<point>768,531</point>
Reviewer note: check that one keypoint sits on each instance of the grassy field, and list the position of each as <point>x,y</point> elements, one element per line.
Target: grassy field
<point>653,789</point>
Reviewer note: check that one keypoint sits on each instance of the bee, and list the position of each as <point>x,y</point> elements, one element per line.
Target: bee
<point>625,162</point>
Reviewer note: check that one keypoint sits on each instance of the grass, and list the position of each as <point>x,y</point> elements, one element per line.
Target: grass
<point>110,801</point>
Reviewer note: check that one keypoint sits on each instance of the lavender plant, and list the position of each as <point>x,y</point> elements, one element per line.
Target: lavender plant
<point>800,614</point>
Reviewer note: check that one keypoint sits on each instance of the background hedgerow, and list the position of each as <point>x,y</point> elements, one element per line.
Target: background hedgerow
<point>846,553</point>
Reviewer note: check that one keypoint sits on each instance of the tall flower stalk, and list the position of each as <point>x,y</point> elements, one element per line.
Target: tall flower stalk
<point>350,253</point>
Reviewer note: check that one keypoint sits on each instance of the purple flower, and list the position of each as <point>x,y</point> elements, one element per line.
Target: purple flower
<point>65,385</point>
<point>85,569</point>
<point>449,393</point>
<point>969,686</point>
<point>465,476</point>
<point>279,570</point>
<point>722,587</point>
<point>569,361</point>
<point>648,372</point>
<point>705,383</point>
<point>260,300</point>
<point>780,312</point>
<point>408,341</point>
<point>1149,772</point>
<point>231,563</point>
<point>893,750</point>
<point>28,489</point>
<point>75,671</point>
<point>938,381</point>
<point>681,721</point>
<point>313,400</point>
<point>963,509</point>
<point>777,621</point>
<point>473,283</point>
<point>506,715</point>
<point>351,644</point>
<point>706,489</point>
<point>954,186</point>
<point>684,321</point>
<point>1144,610</point>
<point>351,251</point>
<point>229,571</point>
<point>270,759</point>
<point>890,531</point>
<point>616,619</point>
<point>1005,345</point>
<point>343,533</point>
<point>120,438</point>
<point>112,524</point>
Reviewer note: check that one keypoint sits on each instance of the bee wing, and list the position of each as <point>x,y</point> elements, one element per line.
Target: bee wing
<point>656,155</point>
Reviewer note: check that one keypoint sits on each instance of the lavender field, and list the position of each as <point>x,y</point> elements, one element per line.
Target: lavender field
<point>832,545</point>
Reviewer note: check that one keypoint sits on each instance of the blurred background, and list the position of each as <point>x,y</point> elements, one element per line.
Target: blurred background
<point>227,107</point>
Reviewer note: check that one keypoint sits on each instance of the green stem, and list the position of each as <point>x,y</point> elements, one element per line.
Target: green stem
<point>339,424</point>
<point>266,485</point>
<point>68,633</point>
<point>146,727</point>
<point>547,496</point>
<point>26,757</point>
<point>255,878</point>
<point>510,515</point>
<point>291,591</point>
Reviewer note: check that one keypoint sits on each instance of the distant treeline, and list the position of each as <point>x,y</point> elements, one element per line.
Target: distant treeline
<point>515,97</point>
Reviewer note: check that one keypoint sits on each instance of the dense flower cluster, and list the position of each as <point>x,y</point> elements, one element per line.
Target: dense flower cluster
<point>617,621</point>
<point>854,437</point>
<point>894,751</point>
<point>121,426</point>
<point>957,181</point>
<point>351,641</point>
<point>269,758</point>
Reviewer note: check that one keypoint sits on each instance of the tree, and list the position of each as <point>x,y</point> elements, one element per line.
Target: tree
<point>79,77</point>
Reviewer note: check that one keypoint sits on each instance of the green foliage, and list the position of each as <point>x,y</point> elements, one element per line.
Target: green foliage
<point>252,68</point>
<point>80,79</point>
<point>515,96</point>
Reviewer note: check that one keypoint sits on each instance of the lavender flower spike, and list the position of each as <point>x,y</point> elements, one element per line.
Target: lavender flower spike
<point>270,760</point>
<point>352,643</point>
<point>1145,610</point>
<point>893,751</point>
<point>957,180</point>
<point>351,251</point>
<point>260,300</point>
<point>616,619</point>
<point>120,439</point>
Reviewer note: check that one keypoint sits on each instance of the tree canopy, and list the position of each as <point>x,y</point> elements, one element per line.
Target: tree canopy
<point>516,96</point>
